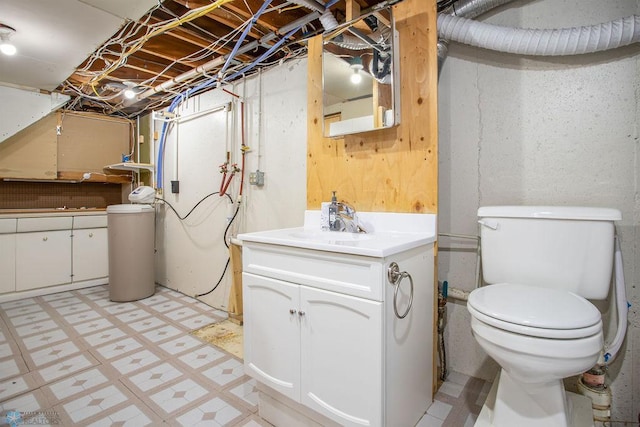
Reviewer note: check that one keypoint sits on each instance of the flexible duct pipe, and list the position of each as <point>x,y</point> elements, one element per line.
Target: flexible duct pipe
<point>310,4</point>
<point>621,304</point>
<point>327,19</point>
<point>554,42</point>
<point>467,9</point>
<point>473,8</point>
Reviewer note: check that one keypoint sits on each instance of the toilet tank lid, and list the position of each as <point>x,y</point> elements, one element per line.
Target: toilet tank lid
<point>551,212</point>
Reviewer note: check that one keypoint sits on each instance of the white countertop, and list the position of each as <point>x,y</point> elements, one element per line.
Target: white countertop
<point>387,234</point>
<point>46,212</point>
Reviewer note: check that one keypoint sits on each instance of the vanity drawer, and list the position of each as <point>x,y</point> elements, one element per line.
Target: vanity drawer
<point>347,274</point>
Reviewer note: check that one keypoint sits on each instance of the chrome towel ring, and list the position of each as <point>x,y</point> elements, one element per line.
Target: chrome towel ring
<point>395,278</point>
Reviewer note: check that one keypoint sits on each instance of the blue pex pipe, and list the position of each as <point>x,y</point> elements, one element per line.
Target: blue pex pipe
<point>179,98</point>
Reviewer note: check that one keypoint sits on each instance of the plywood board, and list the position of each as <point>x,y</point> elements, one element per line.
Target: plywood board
<point>32,152</point>
<point>389,170</point>
<point>88,143</point>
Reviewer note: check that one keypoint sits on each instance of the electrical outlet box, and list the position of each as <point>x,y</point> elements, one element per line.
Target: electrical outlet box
<point>256,178</point>
<point>175,187</point>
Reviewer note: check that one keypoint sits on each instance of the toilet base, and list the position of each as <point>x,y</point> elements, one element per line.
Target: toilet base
<point>581,413</point>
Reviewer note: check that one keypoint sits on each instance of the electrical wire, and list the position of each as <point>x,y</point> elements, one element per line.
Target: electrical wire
<point>182,218</point>
<point>224,271</point>
<point>193,14</point>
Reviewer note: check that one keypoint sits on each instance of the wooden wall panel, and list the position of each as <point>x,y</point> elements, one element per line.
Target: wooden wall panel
<point>32,152</point>
<point>390,170</point>
<point>89,142</point>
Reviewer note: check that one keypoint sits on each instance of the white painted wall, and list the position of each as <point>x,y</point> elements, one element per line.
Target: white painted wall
<point>563,131</point>
<point>191,254</point>
<point>20,108</point>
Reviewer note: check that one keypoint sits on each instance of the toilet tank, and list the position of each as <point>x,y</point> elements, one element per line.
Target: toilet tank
<point>553,247</point>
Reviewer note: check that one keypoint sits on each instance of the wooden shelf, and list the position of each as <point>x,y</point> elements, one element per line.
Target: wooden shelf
<point>131,166</point>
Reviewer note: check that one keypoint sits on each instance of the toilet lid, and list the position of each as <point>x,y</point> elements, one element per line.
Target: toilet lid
<point>529,310</point>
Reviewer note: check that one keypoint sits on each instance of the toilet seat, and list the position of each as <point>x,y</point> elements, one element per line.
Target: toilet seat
<point>535,311</point>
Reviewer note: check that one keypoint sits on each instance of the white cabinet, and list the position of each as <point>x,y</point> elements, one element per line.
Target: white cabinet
<point>7,255</point>
<point>43,259</point>
<point>90,248</point>
<point>90,254</point>
<point>39,251</point>
<point>327,345</point>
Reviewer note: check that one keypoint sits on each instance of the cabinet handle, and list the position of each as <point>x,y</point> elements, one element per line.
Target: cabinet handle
<point>90,234</point>
<point>301,313</point>
<point>292,311</point>
<point>44,239</point>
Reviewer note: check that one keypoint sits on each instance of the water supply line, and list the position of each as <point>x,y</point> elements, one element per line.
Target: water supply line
<point>622,305</point>
<point>442,308</point>
<point>203,86</point>
<point>592,383</point>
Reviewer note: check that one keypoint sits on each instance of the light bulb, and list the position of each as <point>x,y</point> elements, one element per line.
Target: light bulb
<point>7,48</point>
<point>356,77</point>
<point>129,94</point>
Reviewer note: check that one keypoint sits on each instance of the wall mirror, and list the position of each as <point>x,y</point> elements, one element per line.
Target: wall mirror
<point>359,75</point>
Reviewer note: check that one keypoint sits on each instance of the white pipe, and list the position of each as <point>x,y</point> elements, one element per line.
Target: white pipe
<point>458,294</point>
<point>553,42</point>
<point>611,350</point>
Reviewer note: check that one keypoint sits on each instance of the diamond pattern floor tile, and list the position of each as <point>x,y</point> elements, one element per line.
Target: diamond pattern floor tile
<point>77,358</point>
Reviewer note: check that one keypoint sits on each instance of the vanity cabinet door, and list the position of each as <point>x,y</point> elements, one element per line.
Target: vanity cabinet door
<point>342,354</point>
<point>272,333</point>
<point>43,259</point>
<point>90,254</point>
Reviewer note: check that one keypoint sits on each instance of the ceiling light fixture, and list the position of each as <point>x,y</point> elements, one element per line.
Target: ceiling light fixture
<point>131,91</point>
<point>356,66</point>
<point>6,46</point>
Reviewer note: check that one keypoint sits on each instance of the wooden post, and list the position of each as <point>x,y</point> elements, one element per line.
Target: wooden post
<point>235,294</point>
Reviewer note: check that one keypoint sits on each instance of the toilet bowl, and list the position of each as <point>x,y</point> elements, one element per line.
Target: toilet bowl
<point>538,336</point>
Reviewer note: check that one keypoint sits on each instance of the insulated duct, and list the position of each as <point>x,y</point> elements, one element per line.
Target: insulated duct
<point>553,42</point>
<point>468,9</point>
<point>327,19</point>
<point>473,8</point>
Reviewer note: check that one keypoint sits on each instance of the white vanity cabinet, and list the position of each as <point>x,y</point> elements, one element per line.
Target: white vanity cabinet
<point>43,252</point>
<point>8,254</point>
<point>90,258</point>
<point>320,328</point>
<point>317,336</point>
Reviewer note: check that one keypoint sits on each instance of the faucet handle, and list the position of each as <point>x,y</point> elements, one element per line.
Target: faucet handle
<point>348,209</point>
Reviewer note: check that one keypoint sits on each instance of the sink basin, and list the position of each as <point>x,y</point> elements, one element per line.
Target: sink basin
<point>329,236</point>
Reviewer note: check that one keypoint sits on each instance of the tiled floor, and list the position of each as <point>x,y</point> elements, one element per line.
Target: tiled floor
<point>76,358</point>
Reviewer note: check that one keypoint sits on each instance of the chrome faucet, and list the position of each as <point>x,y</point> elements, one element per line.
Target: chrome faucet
<point>347,219</point>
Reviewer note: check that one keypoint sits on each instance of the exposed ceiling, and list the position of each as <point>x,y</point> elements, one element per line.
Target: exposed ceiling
<point>94,49</point>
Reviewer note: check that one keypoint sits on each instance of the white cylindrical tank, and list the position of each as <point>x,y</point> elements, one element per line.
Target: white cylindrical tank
<point>567,248</point>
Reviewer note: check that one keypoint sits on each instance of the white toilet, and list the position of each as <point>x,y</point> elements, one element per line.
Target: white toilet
<point>541,263</point>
